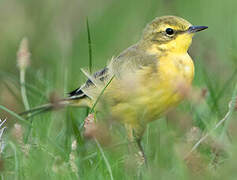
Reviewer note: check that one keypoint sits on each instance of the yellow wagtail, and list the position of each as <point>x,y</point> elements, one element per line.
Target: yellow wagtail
<point>146,77</point>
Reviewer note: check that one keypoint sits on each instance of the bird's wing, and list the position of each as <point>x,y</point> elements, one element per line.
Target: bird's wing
<point>128,62</point>
<point>131,60</point>
<point>97,80</point>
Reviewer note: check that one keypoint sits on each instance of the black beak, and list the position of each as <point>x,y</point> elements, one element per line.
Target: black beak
<point>193,29</point>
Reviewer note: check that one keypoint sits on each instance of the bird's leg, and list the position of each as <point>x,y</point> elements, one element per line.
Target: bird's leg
<point>130,138</point>
<point>141,150</point>
<point>135,146</point>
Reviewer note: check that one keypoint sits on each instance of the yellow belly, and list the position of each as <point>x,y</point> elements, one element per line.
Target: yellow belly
<point>156,92</point>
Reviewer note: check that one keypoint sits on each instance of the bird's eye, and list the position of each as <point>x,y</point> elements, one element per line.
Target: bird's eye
<point>169,31</point>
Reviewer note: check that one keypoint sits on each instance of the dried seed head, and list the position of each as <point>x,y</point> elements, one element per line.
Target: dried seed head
<point>72,161</point>
<point>74,145</point>
<point>55,100</point>
<point>18,132</point>
<point>196,163</point>
<point>194,134</point>
<point>72,157</point>
<point>89,126</point>
<point>97,130</point>
<point>233,103</point>
<point>23,55</point>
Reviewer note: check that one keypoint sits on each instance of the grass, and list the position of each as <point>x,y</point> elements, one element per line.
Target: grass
<point>198,140</point>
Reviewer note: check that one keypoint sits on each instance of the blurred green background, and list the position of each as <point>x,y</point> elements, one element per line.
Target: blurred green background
<point>57,35</point>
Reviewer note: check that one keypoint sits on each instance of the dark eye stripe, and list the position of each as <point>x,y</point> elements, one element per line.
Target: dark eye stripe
<point>160,36</point>
<point>176,32</point>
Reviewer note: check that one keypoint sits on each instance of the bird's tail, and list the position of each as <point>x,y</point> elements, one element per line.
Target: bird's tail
<point>46,107</point>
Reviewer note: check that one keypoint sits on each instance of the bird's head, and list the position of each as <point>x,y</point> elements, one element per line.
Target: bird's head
<point>169,33</point>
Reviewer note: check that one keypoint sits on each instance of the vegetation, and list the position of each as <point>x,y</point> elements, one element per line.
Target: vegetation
<point>197,140</point>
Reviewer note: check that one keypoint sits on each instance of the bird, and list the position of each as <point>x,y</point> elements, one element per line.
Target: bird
<point>143,82</point>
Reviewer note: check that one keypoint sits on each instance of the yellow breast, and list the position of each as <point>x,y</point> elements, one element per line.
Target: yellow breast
<point>176,68</point>
<point>175,71</point>
<point>164,90</point>
<point>157,92</point>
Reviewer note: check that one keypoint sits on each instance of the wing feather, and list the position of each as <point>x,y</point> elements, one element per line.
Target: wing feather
<point>128,62</point>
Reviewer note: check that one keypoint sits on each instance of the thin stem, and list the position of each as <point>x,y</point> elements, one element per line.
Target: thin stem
<point>101,93</point>
<point>25,100</point>
<point>15,115</point>
<point>225,119</point>
<point>23,89</point>
<point>90,54</point>
<point>89,45</point>
<point>16,160</point>
<point>97,100</point>
<point>105,159</point>
<point>231,109</point>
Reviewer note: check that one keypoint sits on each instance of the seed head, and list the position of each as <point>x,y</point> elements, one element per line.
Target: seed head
<point>23,55</point>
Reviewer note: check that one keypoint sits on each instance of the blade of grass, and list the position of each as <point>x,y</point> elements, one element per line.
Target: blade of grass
<point>31,89</point>
<point>97,100</point>
<point>76,129</point>
<point>15,115</point>
<point>90,53</point>
<point>101,93</point>
<point>23,89</point>
<point>89,45</point>
<point>224,120</point>
<point>25,102</point>
<point>231,110</point>
<point>213,96</point>
<point>97,143</point>
<point>12,91</point>
<point>105,159</point>
<point>16,160</point>
<point>227,83</point>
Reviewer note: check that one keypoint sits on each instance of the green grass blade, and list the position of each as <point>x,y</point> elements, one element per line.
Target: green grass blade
<point>225,120</point>
<point>101,93</point>
<point>214,103</point>
<point>89,45</point>
<point>15,115</point>
<point>105,159</point>
<point>16,161</point>
<point>32,90</point>
<point>231,109</point>
<point>227,83</point>
<point>10,89</point>
<point>90,53</point>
